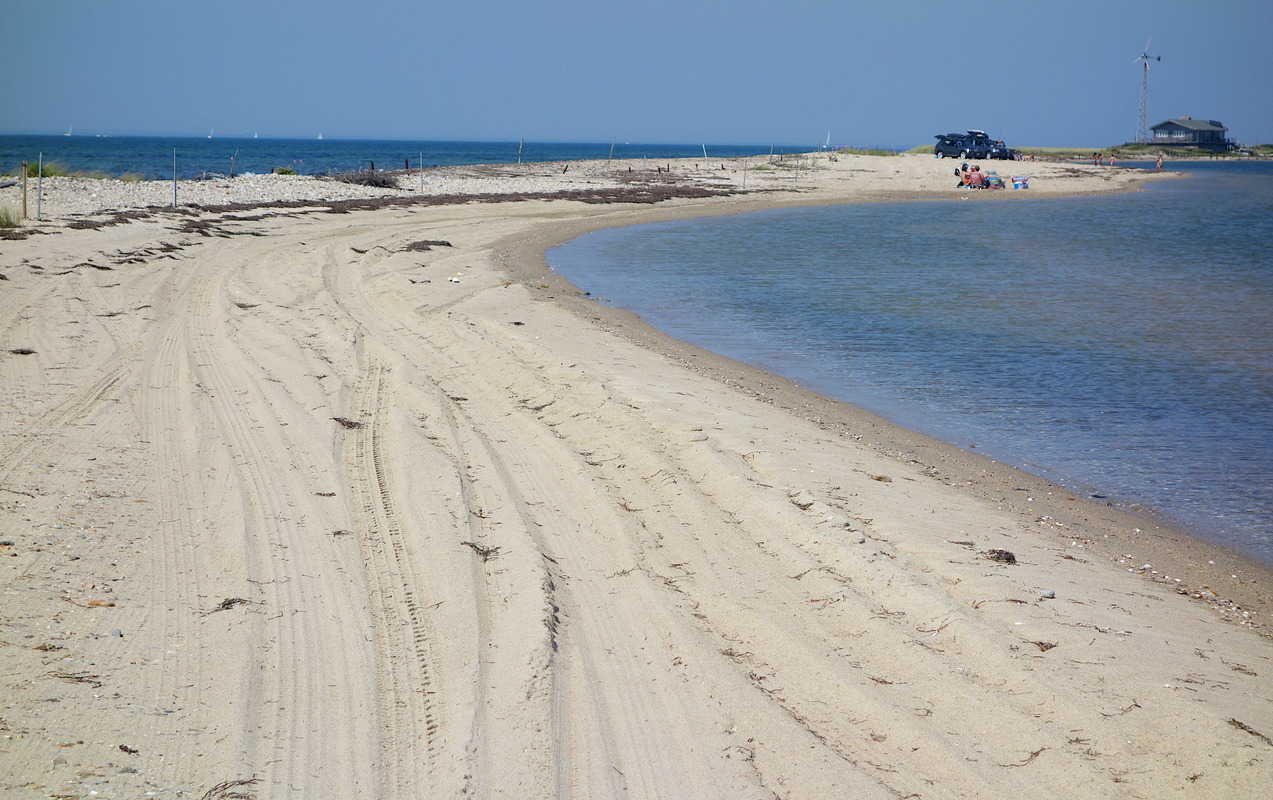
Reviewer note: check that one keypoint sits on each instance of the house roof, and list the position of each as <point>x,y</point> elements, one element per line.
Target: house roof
<point>1192,124</point>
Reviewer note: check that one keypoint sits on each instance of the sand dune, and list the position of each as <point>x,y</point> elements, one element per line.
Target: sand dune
<point>299,510</point>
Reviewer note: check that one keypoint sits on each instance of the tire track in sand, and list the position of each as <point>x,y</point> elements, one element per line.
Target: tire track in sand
<point>410,728</point>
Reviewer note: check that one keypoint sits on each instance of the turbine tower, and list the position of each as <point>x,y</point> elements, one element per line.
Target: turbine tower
<point>1144,58</point>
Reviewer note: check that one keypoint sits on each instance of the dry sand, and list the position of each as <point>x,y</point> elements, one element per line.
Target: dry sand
<point>295,509</point>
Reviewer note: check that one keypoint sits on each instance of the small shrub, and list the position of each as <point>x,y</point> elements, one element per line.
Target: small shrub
<point>52,169</point>
<point>9,218</point>
<point>132,177</point>
<point>368,177</point>
<point>284,171</point>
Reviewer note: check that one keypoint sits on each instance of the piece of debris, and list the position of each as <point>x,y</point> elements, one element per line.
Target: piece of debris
<point>881,478</point>
<point>424,246</point>
<point>1002,556</point>
<point>79,677</point>
<point>1242,726</point>
<point>227,604</point>
<point>487,553</point>
<point>347,423</point>
<point>225,790</point>
<point>130,751</point>
<point>22,351</point>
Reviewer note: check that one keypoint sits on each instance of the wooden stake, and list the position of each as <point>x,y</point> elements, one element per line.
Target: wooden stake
<point>24,190</point>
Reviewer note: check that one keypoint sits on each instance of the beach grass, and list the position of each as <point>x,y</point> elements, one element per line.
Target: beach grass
<point>868,151</point>
<point>56,169</point>
<point>51,169</point>
<point>9,217</point>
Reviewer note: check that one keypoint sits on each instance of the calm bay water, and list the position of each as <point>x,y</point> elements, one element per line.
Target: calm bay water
<point>152,157</point>
<point>1121,346</point>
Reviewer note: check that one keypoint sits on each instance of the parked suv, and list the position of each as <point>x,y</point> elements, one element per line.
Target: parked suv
<point>950,145</point>
<point>991,148</point>
<point>973,144</point>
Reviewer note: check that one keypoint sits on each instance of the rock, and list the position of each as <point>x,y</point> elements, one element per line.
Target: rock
<point>1047,594</point>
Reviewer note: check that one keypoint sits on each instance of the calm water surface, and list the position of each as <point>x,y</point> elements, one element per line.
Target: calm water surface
<point>1121,346</point>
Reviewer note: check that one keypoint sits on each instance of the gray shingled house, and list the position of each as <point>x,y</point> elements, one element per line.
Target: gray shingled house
<point>1190,132</point>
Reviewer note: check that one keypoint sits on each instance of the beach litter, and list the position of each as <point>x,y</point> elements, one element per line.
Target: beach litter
<point>1002,556</point>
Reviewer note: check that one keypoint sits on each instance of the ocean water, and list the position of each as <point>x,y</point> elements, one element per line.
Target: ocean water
<point>1121,346</point>
<point>152,157</point>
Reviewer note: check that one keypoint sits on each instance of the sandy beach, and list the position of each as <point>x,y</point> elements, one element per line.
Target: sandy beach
<point>329,492</point>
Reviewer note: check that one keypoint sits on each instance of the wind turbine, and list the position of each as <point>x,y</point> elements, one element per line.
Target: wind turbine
<point>1142,136</point>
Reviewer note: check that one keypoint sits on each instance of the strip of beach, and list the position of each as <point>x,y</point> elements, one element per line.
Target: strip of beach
<point>320,490</point>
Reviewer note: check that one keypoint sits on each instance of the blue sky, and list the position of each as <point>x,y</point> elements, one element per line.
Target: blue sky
<point>1041,74</point>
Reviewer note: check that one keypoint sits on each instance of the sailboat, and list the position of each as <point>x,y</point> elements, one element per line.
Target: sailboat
<point>320,134</point>
<point>68,131</point>
<point>210,133</point>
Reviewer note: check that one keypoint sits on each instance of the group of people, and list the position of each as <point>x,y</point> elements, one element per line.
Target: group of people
<point>972,178</point>
<point>1096,160</point>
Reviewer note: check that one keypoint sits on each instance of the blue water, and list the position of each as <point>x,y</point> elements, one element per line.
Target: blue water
<point>1121,346</point>
<point>152,157</point>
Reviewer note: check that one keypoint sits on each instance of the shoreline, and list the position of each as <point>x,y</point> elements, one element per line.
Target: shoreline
<point>1163,542</point>
<point>368,502</point>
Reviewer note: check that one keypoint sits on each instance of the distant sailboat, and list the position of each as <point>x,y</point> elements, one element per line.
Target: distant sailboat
<point>320,134</point>
<point>210,132</point>
<point>68,131</point>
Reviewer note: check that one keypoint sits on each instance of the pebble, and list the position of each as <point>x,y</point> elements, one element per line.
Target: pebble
<point>1047,594</point>
<point>73,197</point>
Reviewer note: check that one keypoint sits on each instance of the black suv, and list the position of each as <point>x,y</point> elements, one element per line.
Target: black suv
<point>973,144</point>
<point>950,145</point>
